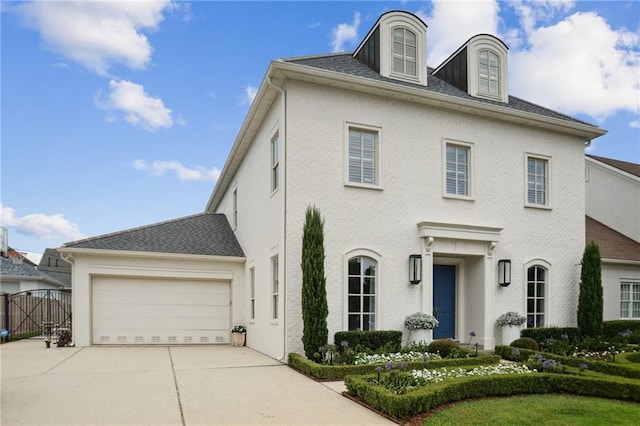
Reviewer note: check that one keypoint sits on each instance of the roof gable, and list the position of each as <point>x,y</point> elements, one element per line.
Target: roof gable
<point>612,244</point>
<point>625,166</point>
<point>201,234</point>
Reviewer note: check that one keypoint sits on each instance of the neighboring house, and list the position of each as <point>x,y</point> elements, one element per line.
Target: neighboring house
<point>436,166</point>
<point>613,221</point>
<point>24,276</point>
<point>52,264</point>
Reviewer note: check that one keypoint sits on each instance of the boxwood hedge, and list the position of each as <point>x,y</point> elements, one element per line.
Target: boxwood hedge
<point>431,396</point>
<point>339,372</point>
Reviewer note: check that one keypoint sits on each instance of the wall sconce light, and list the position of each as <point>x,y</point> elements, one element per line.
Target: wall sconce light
<point>415,269</point>
<point>504,272</point>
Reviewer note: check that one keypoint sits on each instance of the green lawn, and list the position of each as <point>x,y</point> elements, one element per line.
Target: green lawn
<point>536,410</point>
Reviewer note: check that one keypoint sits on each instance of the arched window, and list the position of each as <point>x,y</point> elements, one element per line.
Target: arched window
<point>361,293</point>
<point>536,293</point>
<point>488,73</point>
<point>405,52</point>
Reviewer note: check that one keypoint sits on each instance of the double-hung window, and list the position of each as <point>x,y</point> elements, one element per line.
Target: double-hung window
<point>457,170</point>
<point>405,52</point>
<point>363,156</point>
<point>252,275</point>
<point>275,287</point>
<point>630,300</point>
<point>488,73</point>
<point>538,177</point>
<point>275,162</point>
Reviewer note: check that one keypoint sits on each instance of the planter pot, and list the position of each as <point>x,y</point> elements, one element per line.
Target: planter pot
<point>48,343</point>
<point>421,335</point>
<point>510,333</point>
<point>238,339</point>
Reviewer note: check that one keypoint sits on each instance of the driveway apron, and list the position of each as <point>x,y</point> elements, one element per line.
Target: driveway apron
<point>160,385</point>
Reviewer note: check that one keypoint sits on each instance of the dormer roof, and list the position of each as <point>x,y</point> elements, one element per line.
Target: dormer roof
<point>396,47</point>
<point>478,67</point>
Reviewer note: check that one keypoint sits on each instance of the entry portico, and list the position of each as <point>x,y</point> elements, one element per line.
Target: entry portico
<point>469,249</point>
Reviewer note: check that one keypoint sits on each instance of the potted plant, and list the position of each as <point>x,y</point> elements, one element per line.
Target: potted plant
<point>510,323</point>
<point>238,334</point>
<point>420,326</point>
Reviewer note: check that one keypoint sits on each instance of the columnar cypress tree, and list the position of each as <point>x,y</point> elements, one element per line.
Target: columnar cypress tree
<point>314,292</point>
<point>590,303</point>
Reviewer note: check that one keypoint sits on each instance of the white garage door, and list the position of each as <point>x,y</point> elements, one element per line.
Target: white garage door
<point>137,311</point>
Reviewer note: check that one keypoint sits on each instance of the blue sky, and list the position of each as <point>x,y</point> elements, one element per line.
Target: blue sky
<point>121,114</point>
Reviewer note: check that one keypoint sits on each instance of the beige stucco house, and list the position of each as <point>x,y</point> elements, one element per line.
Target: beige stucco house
<point>433,164</point>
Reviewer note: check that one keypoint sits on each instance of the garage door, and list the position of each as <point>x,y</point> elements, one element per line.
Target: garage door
<point>137,311</point>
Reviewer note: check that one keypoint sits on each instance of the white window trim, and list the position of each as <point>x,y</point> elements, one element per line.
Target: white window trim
<point>275,165</point>
<point>547,290</point>
<point>470,172</point>
<point>379,155</point>
<point>473,73</point>
<point>388,23</point>
<point>499,71</point>
<point>404,75</point>
<point>345,287</point>
<point>548,180</point>
<point>631,282</point>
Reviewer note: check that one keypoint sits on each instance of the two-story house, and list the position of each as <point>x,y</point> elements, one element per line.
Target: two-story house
<point>613,221</point>
<point>435,172</point>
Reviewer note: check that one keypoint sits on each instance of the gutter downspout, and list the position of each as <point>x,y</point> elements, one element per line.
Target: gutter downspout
<point>68,257</point>
<point>283,149</point>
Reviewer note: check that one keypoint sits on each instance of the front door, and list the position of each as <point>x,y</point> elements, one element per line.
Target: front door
<point>444,300</point>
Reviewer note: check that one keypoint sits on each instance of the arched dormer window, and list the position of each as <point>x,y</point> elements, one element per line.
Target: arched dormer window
<point>404,52</point>
<point>488,73</point>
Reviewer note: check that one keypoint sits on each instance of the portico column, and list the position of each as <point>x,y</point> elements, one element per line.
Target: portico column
<point>427,276</point>
<point>489,341</point>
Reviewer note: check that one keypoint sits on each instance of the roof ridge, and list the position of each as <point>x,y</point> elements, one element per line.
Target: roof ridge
<point>138,228</point>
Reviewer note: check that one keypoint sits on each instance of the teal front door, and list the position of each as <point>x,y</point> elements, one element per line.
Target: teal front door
<point>444,300</point>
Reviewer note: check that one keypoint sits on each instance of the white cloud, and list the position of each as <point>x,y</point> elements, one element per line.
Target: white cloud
<point>345,33</point>
<point>97,33</point>
<point>40,225</point>
<point>138,107</point>
<point>451,23</point>
<point>250,93</point>
<point>635,124</point>
<point>158,168</point>
<point>579,65</point>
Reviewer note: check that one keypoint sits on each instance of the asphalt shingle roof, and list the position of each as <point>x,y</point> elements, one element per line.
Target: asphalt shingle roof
<point>612,244</point>
<point>203,234</point>
<point>11,270</point>
<point>345,63</point>
<point>631,168</point>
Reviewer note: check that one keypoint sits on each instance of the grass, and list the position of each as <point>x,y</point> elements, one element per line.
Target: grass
<point>561,410</point>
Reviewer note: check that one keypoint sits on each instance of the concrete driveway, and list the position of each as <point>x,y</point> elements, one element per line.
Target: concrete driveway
<point>178,385</point>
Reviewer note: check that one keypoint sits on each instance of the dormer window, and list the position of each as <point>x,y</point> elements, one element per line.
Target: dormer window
<point>396,48</point>
<point>404,52</point>
<point>478,67</point>
<point>488,73</point>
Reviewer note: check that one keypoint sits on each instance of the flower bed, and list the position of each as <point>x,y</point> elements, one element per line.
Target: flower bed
<point>368,359</point>
<point>339,372</point>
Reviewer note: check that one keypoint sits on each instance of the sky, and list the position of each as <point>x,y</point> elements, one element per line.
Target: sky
<point>116,115</point>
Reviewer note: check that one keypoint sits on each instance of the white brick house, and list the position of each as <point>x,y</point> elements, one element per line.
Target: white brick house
<point>402,159</point>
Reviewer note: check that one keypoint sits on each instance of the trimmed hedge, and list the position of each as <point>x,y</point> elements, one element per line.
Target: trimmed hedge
<point>390,340</point>
<point>339,372</point>
<point>611,329</point>
<point>611,368</point>
<point>540,334</point>
<point>431,396</point>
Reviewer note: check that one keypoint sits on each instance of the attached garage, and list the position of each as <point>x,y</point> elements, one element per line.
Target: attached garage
<point>173,283</point>
<point>151,311</point>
